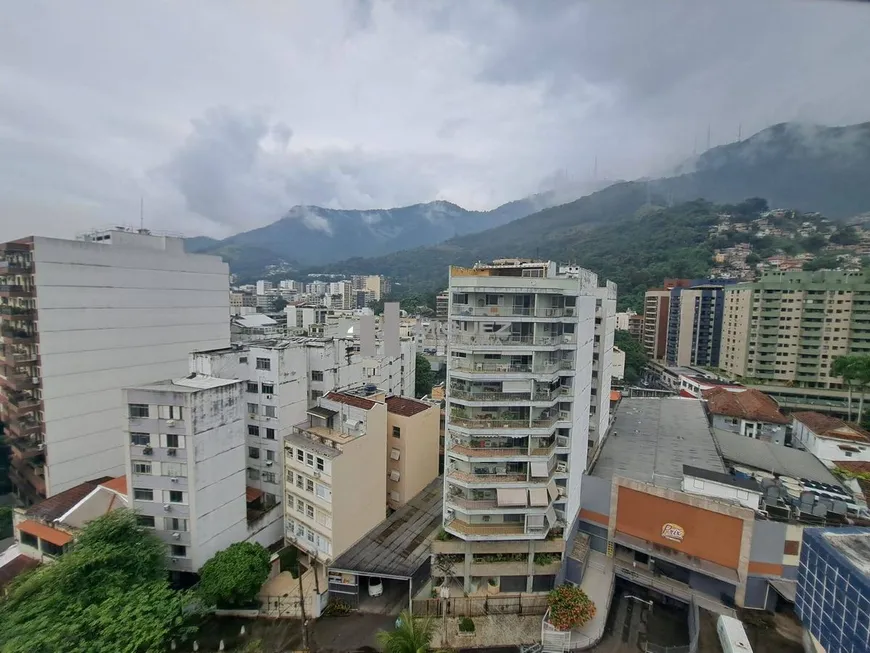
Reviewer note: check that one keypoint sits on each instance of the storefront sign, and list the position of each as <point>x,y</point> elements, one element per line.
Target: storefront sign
<point>673,532</point>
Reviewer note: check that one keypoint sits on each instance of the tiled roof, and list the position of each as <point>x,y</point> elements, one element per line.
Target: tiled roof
<point>56,506</point>
<point>15,568</point>
<point>854,466</point>
<point>351,400</point>
<point>118,484</point>
<point>749,404</point>
<point>825,426</point>
<point>405,406</point>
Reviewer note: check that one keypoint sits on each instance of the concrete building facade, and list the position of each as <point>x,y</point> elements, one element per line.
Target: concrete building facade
<point>82,319</point>
<point>413,432</point>
<point>695,325</point>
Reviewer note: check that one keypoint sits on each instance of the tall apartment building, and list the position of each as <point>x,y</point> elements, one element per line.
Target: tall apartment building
<point>656,311</point>
<point>635,326</point>
<point>788,327</point>
<point>284,378</point>
<point>185,446</point>
<point>695,325</point>
<point>82,319</point>
<point>520,361</point>
<point>602,361</point>
<point>442,301</point>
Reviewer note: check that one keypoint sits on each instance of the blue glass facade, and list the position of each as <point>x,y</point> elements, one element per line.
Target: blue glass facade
<point>833,593</point>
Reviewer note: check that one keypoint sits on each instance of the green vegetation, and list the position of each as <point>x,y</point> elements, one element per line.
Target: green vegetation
<point>855,372</point>
<point>410,636</point>
<point>635,356</point>
<point>5,522</point>
<point>289,560</point>
<point>234,576</point>
<point>824,262</point>
<point>466,625</point>
<point>424,377</point>
<point>108,594</point>
<point>569,607</point>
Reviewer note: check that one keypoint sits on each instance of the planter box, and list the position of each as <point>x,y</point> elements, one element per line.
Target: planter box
<point>448,546</point>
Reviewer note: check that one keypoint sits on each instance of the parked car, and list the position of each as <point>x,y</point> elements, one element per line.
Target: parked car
<point>376,587</point>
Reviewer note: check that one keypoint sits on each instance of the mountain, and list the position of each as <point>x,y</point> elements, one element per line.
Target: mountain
<point>197,244</point>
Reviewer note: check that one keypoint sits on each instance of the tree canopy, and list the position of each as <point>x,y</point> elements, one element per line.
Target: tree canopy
<point>108,594</point>
<point>234,576</point>
<point>424,377</point>
<point>410,636</point>
<point>635,356</point>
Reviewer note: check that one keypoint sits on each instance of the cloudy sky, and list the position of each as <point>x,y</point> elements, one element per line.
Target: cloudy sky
<point>222,115</point>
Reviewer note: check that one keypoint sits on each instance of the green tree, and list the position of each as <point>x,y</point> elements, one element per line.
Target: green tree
<point>108,594</point>
<point>824,262</point>
<point>234,576</point>
<point>278,304</point>
<point>846,368</point>
<point>753,259</point>
<point>5,522</point>
<point>424,377</point>
<point>635,356</point>
<point>410,636</point>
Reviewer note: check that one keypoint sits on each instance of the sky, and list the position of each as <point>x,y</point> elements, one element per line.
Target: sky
<point>218,116</point>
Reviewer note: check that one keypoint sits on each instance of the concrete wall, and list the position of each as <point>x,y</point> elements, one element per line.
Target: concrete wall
<point>112,316</point>
<point>418,449</point>
<point>580,419</point>
<point>825,449</point>
<point>759,430</point>
<point>768,542</point>
<point>708,488</point>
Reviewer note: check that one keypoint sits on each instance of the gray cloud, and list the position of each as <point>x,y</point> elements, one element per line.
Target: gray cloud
<point>373,104</point>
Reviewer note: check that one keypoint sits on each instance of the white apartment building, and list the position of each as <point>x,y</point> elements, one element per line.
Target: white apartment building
<point>284,378</point>
<point>82,319</point>
<point>264,287</point>
<point>186,450</point>
<point>623,320</point>
<point>602,361</point>
<point>617,369</point>
<point>521,347</point>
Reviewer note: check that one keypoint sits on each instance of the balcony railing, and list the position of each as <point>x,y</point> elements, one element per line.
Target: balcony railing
<point>472,504</point>
<point>467,528</point>
<point>15,267</point>
<point>495,340</point>
<point>17,358</point>
<point>16,312</point>
<point>478,449</point>
<point>486,479</point>
<point>495,422</point>
<point>14,289</point>
<point>507,368</point>
<point>16,334</point>
<point>510,311</point>
<point>18,381</point>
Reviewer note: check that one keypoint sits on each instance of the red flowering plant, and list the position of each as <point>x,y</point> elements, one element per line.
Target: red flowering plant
<point>569,607</point>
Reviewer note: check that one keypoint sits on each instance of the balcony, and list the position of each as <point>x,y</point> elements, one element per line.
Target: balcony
<point>499,341</point>
<point>486,421</point>
<point>24,427</point>
<point>18,403</point>
<point>14,290</point>
<point>15,266</point>
<point>490,397</point>
<point>17,357</point>
<point>16,336</point>
<point>19,381</point>
<point>466,310</point>
<point>480,367</point>
<point>494,448</point>
<point>487,479</point>
<point>17,313</point>
<point>26,448</point>
<point>504,531</point>
<point>29,478</point>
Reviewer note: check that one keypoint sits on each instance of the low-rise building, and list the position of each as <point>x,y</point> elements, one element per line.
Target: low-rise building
<point>617,368</point>
<point>748,412</point>
<point>830,438</point>
<point>413,429</point>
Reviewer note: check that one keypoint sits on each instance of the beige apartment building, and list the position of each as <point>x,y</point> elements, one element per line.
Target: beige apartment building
<point>788,327</point>
<point>656,307</point>
<point>413,429</point>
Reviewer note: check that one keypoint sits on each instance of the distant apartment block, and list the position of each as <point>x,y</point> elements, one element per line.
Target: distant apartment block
<point>635,327</point>
<point>239,301</point>
<point>695,325</point>
<point>787,328</point>
<point>656,312</point>
<point>442,300</point>
<point>79,321</point>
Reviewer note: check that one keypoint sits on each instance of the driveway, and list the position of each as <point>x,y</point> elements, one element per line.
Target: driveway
<point>350,632</point>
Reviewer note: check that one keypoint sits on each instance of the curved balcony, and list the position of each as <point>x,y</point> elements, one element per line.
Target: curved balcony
<point>19,381</point>
<point>544,397</point>
<point>484,340</point>
<point>16,336</point>
<point>467,310</point>
<point>480,449</point>
<point>15,290</point>
<point>19,357</point>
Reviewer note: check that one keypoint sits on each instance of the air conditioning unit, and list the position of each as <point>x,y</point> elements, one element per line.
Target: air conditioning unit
<point>268,463</point>
<point>173,479</point>
<point>176,536</point>
<point>147,451</point>
<point>316,474</point>
<point>561,466</point>
<point>569,312</point>
<point>485,518</point>
<point>174,559</point>
<point>170,422</point>
<point>172,452</point>
<point>292,538</point>
<point>166,507</point>
<point>252,415</point>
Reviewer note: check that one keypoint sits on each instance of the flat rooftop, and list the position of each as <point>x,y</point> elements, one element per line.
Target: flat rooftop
<point>854,546</point>
<point>399,545</point>
<point>652,438</point>
<point>192,383</point>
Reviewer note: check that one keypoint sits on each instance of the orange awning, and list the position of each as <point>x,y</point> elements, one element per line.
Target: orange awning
<point>252,494</point>
<point>118,484</point>
<point>615,395</point>
<point>47,533</point>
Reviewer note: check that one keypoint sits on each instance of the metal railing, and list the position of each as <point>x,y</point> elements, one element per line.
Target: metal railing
<point>538,368</point>
<point>495,422</point>
<point>496,340</point>
<point>509,311</point>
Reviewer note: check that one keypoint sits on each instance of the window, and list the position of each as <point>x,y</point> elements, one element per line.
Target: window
<point>290,477</point>
<point>176,524</point>
<point>138,410</point>
<point>264,364</point>
<point>252,409</point>
<point>253,388</point>
<point>145,520</point>
<point>270,455</point>
<point>320,464</point>
<point>300,455</point>
<point>173,469</point>
<point>253,474</point>
<point>300,506</point>
<point>253,430</point>
<point>29,540</point>
<point>179,551</point>
<point>269,411</point>
<point>316,394</point>
<point>397,432</point>
<point>140,439</point>
<point>254,452</point>
<point>176,496</point>
<point>309,459</point>
<point>175,412</point>
<point>792,547</point>
<point>309,485</point>
<point>143,494</point>
<point>492,300</point>
<point>324,493</point>
<point>309,511</point>
<point>270,434</point>
<point>317,375</point>
<point>268,389</point>
<point>172,440</point>
<point>141,468</point>
<point>270,477</point>
<point>300,481</point>
<point>243,359</point>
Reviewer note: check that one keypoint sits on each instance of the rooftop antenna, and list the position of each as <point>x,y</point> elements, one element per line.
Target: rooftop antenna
<point>595,171</point>
<point>708,136</point>
<point>740,132</point>
<point>141,214</point>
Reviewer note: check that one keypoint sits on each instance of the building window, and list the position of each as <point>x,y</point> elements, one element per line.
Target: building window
<point>300,481</point>
<point>270,477</point>
<point>309,485</point>
<point>290,478</point>
<point>176,412</point>
<point>270,434</point>
<point>172,440</point>
<point>176,524</point>
<point>264,364</point>
<point>792,547</point>
<point>176,496</point>
<point>243,359</point>
<point>317,375</point>
<point>253,474</point>
<point>138,411</point>
<point>141,468</point>
<point>300,455</point>
<point>324,493</point>
<point>268,389</point>
<point>29,540</point>
<point>270,455</point>
<point>309,511</point>
<point>309,459</point>
<point>269,411</point>
<point>397,432</point>
<point>140,439</point>
<point>146,521</point>
<point>320,464</point>
<point>253,388</point>
<point>253,430</point>
<point>179,551</point>
<point>300,506</point>
<point>316,394</point>
<point>252,409</point>
<point>254,452</point>
<point>143,494</point>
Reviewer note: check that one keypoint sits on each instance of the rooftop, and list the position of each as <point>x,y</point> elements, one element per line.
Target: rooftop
<point>15,567</point>
<point>772,458</point>
<point>825,426</point>
<point>854,546</point>
<point>749,404</point>
<point>399,545</point>
<point>405,406</point>
<point>188,384</point>
<point>304,442</point>
<point>58,505</point>
<point>652,438</point>
<point>351,400</point>
<point>724,478</point>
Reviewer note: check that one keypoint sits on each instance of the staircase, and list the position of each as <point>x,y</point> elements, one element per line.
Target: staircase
<point>580,550</point>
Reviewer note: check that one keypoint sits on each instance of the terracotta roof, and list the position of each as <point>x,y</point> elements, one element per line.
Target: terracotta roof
<point>15,568</point>
<point>118,484</point>
<point>351,400</point>
<point>854,466</point>
<point>43,532</point>
<point>749,404</point>
<point>405,406</point>
<point>252,494</point>
<point>825,426</point>
<point>615,395</point>
<point>56,506</point>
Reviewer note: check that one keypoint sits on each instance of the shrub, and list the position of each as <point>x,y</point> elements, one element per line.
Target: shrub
<point>569,607</point>
<point>466,625</point>
<point>233,577</point>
